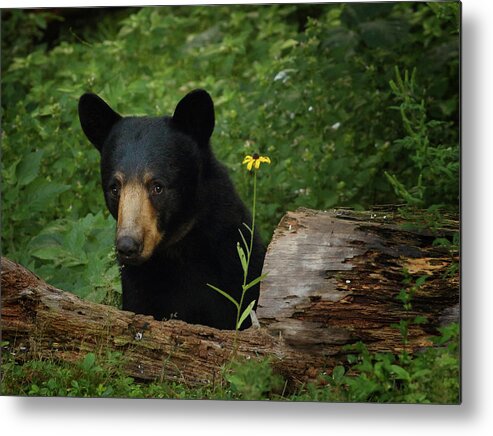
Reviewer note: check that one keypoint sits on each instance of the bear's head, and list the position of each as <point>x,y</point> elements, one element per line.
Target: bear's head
<point>150,170</point>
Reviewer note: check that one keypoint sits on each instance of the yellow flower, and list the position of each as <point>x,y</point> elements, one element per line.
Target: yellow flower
<point>255,160</point>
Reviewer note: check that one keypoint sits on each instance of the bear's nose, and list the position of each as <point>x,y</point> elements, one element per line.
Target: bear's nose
<point>127,247</point>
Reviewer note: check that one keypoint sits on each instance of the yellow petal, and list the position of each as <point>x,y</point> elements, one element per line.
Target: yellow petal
<point>250,164</point>
<point>265,159</point>
<point>257,164</point>
<point>247,159</point>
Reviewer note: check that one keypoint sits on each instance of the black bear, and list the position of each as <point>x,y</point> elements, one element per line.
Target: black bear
<point>177,212</point>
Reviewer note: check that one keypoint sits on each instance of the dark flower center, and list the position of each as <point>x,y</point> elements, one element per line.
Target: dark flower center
<point>255,156</point>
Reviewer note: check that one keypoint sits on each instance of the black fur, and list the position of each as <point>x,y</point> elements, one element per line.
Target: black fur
<point>200,211</point>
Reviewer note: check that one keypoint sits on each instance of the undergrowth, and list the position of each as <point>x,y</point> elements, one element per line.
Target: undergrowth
<point>429,376</point>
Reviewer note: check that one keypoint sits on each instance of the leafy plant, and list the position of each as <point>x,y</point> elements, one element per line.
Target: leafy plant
<point>92,376</point>
<point>430,376</point>
<point>78,256</point>
<point>102,375</point>
<point>253,380</point>
<point>252,162</point>
<point>436,165</point>
<point>406,296</point>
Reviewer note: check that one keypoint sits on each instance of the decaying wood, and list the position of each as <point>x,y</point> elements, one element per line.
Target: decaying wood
<point>40,321</point>
<point>332,280</point>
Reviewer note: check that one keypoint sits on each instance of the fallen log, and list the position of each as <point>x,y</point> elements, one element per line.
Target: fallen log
<point>333,278</point>
<point>40,321</point>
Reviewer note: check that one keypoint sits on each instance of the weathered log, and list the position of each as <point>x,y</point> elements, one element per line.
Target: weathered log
<point>40,321</point>
<point>332,280</point>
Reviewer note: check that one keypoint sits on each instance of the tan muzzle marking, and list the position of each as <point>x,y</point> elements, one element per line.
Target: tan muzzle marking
<point>137,218</point>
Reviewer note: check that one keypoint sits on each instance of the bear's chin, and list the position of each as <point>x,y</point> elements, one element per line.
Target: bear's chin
<point>131,261</point>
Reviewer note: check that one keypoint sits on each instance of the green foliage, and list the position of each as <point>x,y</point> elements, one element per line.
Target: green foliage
<point>78,257</point>
<point>102,375</point>
<point>436,165</point>
<point>306,84</point>
<point>92,376</point>
<point>405,296</point>
<point>33,25</point>
<point>431,376</point>
<point>253,380</point>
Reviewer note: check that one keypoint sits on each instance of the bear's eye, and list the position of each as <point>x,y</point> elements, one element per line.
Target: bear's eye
<point>115,190</point>
<point>156,188</point>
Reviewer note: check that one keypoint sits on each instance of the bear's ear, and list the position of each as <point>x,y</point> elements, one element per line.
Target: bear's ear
<point>96,118</point>
<point>194,115</point>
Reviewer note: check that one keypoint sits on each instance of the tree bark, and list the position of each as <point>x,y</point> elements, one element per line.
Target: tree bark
<point>40,321</point>
<point>333,278</point>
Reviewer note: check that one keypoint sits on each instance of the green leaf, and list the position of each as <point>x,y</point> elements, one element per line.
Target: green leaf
<point>421,373</point>
<point>242,257</point>
<point>28,168</point>
<point>248,227</point>
<point>225,294</point>
<point>421,280</point>
<point>88,361</point>
<point>244,241</point>
<point>34,389</point>
<point>245,313</point>
<point>420,320</point>
<point>96,295</point>
<point>41,193</point>
<point>401,373</point>
<point>49,252</point>
<point>351,358</point>
<point>338,372</point>
<point>254,282</point>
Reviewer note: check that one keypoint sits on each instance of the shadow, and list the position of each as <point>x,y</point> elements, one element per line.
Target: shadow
<point>186,411</point>
<point>471,235</point>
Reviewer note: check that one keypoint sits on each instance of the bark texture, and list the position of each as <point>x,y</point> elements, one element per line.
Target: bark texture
<point>334,278</point>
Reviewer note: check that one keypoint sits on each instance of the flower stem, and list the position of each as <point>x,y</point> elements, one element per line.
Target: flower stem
<point>249,250</point>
